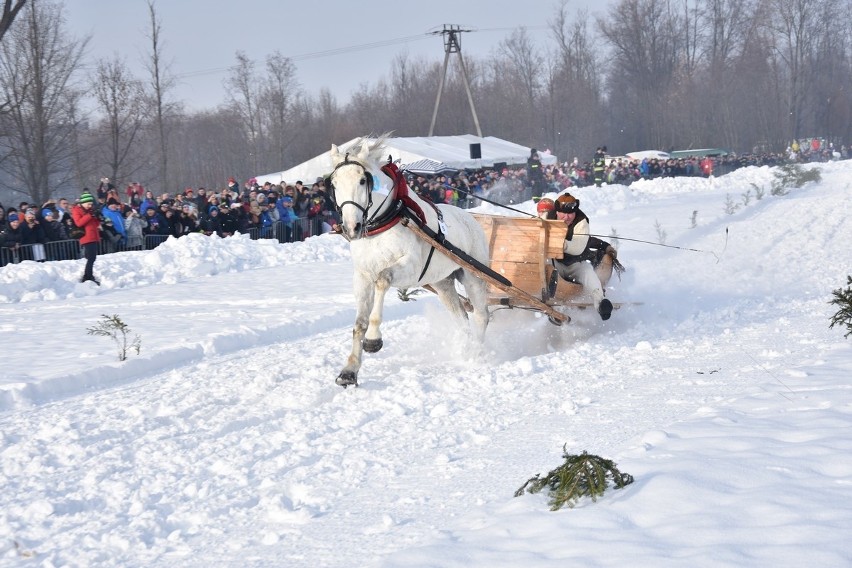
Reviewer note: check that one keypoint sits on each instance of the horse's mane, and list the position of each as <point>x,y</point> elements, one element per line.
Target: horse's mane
<point>373,145</point>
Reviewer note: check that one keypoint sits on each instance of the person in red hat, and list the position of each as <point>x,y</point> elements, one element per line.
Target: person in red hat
<point>233,185</point>
<point>581,251</point>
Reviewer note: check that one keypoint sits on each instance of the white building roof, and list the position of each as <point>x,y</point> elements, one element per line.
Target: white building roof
<point>452,151</point>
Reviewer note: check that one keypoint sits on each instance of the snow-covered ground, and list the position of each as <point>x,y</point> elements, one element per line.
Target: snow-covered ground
<point>227,443</point>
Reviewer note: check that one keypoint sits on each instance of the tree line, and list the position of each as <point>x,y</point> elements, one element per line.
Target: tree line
<point>647,74</point>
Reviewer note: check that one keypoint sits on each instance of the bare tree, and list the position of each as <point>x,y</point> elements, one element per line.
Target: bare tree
<point>798,28</point>
<point>725,29</point>
<point>411,93</point>
<point>161,83</point>
<point>37,68</point>
<point>525,62</point>
<point>243,93</point>
<point>120,98</point>
<point>828,94</point>
<point>645,51</point>
<point>323,121</point>
<point>521,72</point>
<point>576,102</point>
<point>209,147</point>
<point>278,93</point>
<point>10,11</point>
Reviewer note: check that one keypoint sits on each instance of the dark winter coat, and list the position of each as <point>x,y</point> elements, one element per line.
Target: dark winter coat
<point>32,234</point>
<point>535,173</point>
<point>230,222</point>
<point>116,220</point>
<point>11,238</point>
<point>188,224</point>
<point>213,224</point>
<point>54,231</point>
<point>154,224</point>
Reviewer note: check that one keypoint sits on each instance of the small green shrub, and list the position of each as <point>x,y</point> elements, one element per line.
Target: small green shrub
<point>407,295</point>
<point>790,176</point>
<point>730,206</point>
<point>113,327</point>
<point>580,476</point>
<point>843,299</point>
<point>661,233</point>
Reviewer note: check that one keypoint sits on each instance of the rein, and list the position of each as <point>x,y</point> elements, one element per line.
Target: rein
<point>471,194</point>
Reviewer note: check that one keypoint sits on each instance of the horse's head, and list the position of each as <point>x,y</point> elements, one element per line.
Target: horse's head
<point>352,184</point>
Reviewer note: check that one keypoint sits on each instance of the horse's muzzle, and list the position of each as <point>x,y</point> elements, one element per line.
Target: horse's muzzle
<point>355,232</point>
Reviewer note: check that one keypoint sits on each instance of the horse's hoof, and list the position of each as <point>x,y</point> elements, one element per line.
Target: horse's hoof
<point>372,345</point>
<point>347,378</point>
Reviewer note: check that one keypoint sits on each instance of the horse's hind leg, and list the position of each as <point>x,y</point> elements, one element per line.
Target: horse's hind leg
<point>446,290</point>
<point>477,292</point>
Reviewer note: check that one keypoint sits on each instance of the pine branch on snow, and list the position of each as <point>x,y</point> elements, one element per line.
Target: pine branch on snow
<point>581,475</point>
<point>843,299</point>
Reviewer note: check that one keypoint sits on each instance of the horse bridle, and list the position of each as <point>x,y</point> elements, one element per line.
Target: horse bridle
<point>367,178</point>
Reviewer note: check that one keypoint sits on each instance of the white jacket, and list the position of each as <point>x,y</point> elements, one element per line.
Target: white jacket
<point>575,244</point>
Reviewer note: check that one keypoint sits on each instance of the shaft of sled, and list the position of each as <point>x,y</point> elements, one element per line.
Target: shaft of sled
<point>483,272</point>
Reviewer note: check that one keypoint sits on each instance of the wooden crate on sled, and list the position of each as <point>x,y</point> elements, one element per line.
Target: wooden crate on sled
<point>522,249</point>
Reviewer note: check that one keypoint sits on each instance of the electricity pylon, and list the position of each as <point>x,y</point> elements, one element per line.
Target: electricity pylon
<point>452,44</point>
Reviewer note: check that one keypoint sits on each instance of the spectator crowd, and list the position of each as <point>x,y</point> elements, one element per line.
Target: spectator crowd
<point>136,219</point>
<point>140,220</point>
<point>515,185</point>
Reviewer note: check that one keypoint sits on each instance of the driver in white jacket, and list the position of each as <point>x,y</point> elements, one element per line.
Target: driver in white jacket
<point>579,248</point>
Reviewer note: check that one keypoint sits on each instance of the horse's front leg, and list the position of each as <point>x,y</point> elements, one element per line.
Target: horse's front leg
<point>364,298</point>
<point>373,337</point>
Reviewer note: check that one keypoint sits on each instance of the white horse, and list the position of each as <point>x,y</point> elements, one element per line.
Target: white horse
<point>387,253</point>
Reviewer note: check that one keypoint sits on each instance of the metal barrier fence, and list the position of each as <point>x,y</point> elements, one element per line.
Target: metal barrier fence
<point>70,249</point>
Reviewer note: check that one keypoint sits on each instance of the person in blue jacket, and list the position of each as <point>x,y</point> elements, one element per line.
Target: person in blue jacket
<point>287,216</point>
<point>114,232</point>
<point>148,203</point>
<point>268,217</point>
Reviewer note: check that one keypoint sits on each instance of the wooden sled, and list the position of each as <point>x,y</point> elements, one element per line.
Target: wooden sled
<point>494,279</point>
<point>521,273</point>
<point>522,250</point>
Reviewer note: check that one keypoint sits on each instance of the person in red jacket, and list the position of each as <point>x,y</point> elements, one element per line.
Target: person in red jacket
<point>85,217</point>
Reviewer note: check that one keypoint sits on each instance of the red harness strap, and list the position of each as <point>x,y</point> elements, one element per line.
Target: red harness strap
<point>384,227</point>
<point>401,195</point>
<point>401,186</point>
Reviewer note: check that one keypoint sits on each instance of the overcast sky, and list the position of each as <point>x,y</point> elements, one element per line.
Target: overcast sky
<point>202,36</point>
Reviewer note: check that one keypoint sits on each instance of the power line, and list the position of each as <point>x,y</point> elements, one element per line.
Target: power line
<point>353,48</point>
<point>324,53</point>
